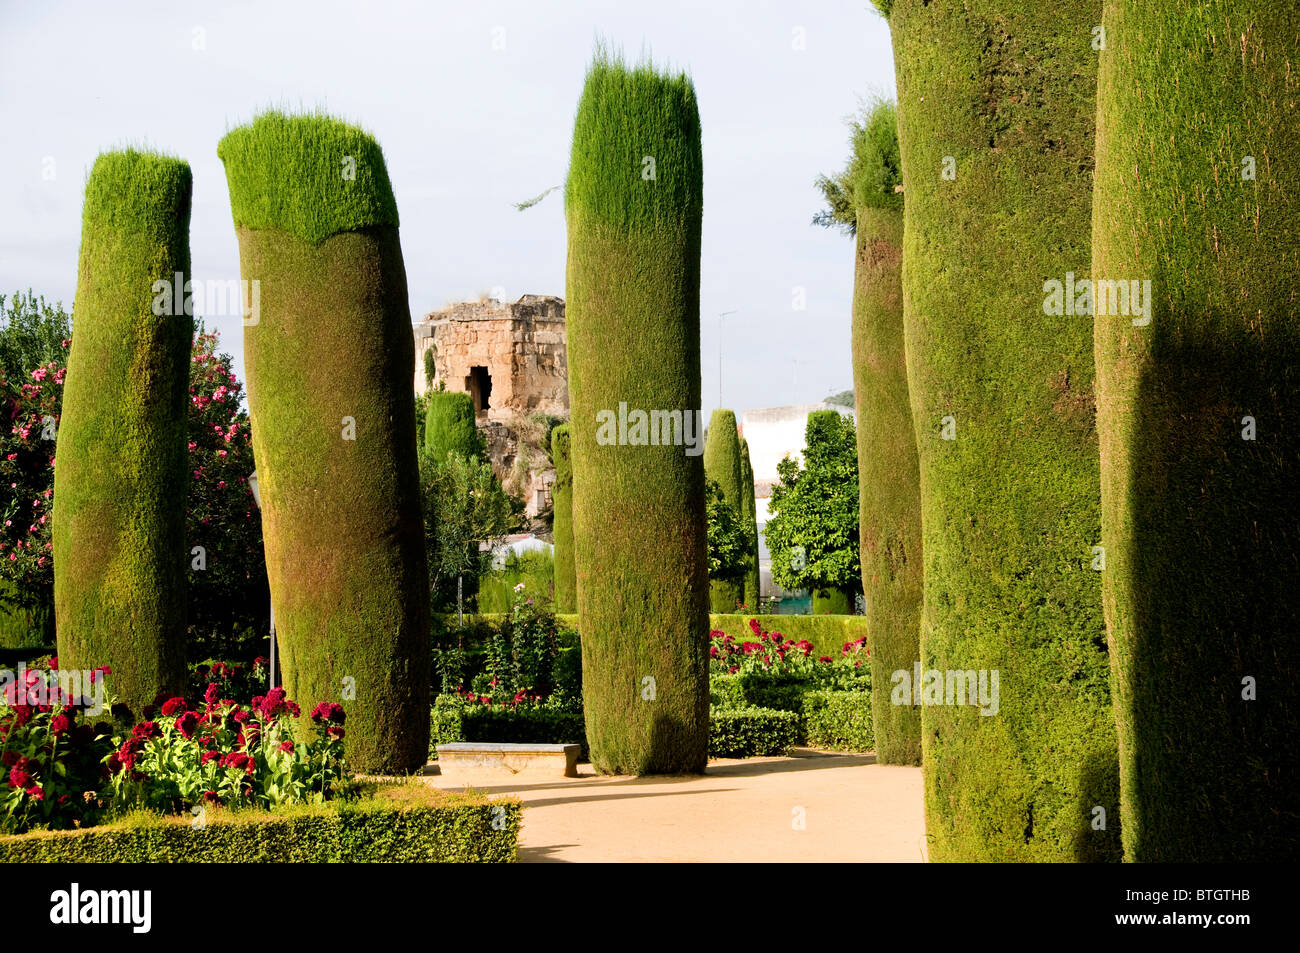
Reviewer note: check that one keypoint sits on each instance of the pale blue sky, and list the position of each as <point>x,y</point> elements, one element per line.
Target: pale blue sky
<point>467,130</point>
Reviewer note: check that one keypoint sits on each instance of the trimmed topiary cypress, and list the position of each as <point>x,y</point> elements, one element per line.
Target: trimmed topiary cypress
<point>633,202</point>
<point>566,581</point>
<point>722,464</point>
<point>889,487</point>
<point>121,481</point>
<point>329,366</point>
<point>749,511</point>
<point>996,115</point>
<point>449,425</point>
<point>1199,413</point>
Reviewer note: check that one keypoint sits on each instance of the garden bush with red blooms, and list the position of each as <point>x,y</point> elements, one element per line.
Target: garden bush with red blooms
<point>65,767</point>
<point>771,654</point>
<point>225,753</point>
<point>233,679</point>
<point>228,596</point>
<point>52,753</point>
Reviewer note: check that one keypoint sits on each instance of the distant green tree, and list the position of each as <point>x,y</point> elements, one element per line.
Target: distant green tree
<point>812,527</point>
<point>464,505</point>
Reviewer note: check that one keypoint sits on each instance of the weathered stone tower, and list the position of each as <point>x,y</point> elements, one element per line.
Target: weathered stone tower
<point>512,359</point>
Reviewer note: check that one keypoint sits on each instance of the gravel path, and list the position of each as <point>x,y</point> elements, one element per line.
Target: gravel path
<point>851,809</point>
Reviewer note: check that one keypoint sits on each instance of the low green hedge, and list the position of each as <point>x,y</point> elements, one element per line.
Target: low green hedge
<point>838,720</point>
<point>827,633</point>
<point>752,732</point>
<point>407,822</point>
<point>757,691</point>
<point>449,722</point>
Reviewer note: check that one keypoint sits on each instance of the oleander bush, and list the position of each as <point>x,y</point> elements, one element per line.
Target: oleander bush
<point>406,822</point>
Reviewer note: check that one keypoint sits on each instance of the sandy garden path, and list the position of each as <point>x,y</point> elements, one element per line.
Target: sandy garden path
<point>851,809</point>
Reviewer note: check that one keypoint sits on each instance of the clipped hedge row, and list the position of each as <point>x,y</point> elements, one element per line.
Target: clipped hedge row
<point>752,732</point>
<point>840,721</point>
<point>454,722</point>
<point>403,823</point>
<point>827,633</point>
<point>751,691</point>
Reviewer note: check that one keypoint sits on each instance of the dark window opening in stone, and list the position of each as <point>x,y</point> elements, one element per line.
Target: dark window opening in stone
<point>479,385</point>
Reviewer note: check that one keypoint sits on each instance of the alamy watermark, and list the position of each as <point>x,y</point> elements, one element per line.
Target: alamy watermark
<point>951,687</point>
<point>66,686</point>
<point>1105,297</point>
<point>654,428</point>
<point>213,298</point>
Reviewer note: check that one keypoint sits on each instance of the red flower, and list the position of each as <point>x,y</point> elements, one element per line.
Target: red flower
<point>35,793</point>
<point>207,756</point>
<point>59,724</point>
<point>146,730</point>
<point>286,747</point>
<point>19,778</point>
<point>824,658</point>
<point>186,724</point>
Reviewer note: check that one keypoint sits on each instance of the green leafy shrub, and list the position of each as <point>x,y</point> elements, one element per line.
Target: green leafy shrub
<point>838,720</point>
<point>534,570</point>
<point>729,542</point>
<point>752,732</point>
<point>395,823</point>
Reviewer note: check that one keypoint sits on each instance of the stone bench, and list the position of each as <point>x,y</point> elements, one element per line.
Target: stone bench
<point>465,758</point>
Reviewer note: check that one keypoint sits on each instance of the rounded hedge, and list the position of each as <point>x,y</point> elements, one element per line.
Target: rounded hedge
<point>996,151</point>
<point>120,486</point>
<point>333,421</point>
<point>566,580</point>
<point>449,425</point>
<point>633,202</point>
<point>722,465</point>
<point>1199,414</point>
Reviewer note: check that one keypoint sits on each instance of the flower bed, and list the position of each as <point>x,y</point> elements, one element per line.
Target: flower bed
<point>408,822</point>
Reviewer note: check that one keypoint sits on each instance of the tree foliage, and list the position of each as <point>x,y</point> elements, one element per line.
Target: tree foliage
<point>731,541</point>
<point>812,527</point>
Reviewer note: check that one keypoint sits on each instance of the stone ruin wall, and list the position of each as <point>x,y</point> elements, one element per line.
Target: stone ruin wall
<point>521,346</point>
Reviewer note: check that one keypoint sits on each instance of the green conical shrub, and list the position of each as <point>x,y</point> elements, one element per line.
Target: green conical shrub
<point>889,482</point>
<point>333,417</point>
<point>1197,193</point>
<point>566,580</point>
<point>749,512</point>
<point>996,115</point>
<point>121,483</point>
<point>722,464</point>
<point>633,202</point>
<point>449,425</point>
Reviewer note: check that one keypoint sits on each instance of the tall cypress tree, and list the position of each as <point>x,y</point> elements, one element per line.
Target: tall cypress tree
<point>566,580</point>
<point>722,465</point>
<point>633,203</point>
<point>749,512</point>
<point>1197,193</point>
<point>121,482</point>
<point>333,416</point>
<point>889,487</point>
<point>996,114</point>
